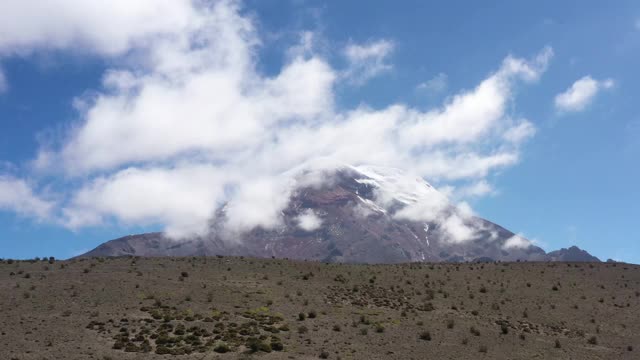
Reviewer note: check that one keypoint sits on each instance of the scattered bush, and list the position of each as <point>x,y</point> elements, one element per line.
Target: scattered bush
<point>276,344</point>
<point>221,348</point>
<point>450,324</point>
<point>425,335</point>
<point>256,345</point>
<point>474,331</point>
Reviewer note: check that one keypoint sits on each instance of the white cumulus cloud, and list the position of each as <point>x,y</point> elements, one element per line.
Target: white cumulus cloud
<point>109,29</point>
<point>185,122</point>
<point>18,196</point>
<point>581,93</point>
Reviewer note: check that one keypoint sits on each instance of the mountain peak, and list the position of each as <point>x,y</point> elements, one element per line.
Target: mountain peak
<point>573,253</point>
<point>361,214</point>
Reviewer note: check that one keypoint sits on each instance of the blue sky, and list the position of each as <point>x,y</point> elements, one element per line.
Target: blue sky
<point>574,181</point>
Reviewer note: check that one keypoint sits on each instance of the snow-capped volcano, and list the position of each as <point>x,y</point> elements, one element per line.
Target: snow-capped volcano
<point>363,214</point>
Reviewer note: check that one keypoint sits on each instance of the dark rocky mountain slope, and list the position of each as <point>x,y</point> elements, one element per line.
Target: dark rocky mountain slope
<point>358,215</point>
<point>573,253</point>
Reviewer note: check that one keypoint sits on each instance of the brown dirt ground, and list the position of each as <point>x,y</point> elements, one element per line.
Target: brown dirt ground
<point>82,309</point>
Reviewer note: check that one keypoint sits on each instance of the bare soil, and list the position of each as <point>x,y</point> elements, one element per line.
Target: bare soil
<point>229,308</point>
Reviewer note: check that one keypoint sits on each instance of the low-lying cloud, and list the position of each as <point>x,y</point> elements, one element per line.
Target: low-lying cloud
<point>309,220</point>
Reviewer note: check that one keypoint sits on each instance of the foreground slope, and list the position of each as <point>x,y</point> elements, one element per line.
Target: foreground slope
<point>130,308</point>
<point>358,215</point>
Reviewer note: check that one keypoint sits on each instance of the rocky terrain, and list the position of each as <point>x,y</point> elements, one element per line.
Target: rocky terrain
<point>230,307</point>
<point>356,215</point>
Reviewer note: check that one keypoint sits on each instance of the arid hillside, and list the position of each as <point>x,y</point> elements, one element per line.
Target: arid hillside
<point>228,308</point>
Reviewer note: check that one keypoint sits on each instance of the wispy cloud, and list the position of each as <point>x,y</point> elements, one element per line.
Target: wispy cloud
<point>435,85</point>
<point>4,86</point>
<point>368,60</point>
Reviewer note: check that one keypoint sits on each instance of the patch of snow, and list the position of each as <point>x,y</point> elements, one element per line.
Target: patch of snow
<point>372,205</point>
<point>394,184</point>
<point>426,233</point>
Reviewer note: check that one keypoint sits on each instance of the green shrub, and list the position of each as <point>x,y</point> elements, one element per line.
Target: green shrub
<point>221,347</point>
<point>256,345</point>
